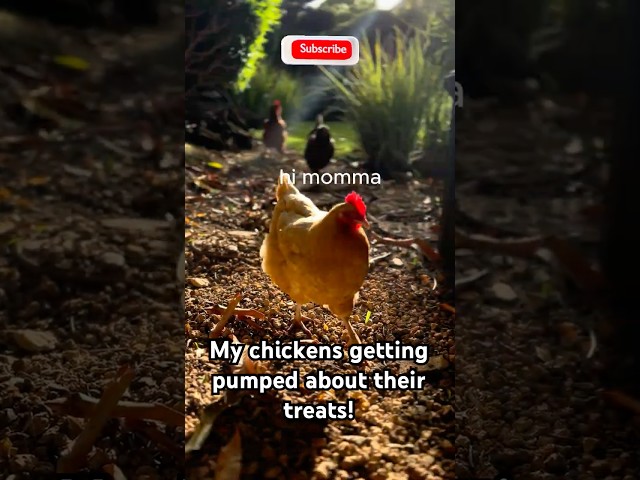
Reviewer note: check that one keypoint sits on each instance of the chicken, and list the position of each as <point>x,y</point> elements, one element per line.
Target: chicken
<point>317,256</point>
<point>275,128</point>
<point>319,149</point>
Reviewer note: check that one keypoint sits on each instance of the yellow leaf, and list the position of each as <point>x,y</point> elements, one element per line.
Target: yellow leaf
<point>72,62</point>
<point>37,181</point>
<point>325,327</point>
<point>367,317</point>
<point>215,165</point>
<point>5,447</point>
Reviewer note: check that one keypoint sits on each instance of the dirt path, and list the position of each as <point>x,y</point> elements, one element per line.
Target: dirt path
<point>529,398</point>
<point>396,435</point>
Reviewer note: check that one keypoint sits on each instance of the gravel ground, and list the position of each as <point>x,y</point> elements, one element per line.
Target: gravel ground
<point>529,400</point>
<point>396,434</point>
<point>88,266</point>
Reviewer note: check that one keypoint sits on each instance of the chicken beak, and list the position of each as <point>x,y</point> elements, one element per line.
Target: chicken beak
<point>365,224</point>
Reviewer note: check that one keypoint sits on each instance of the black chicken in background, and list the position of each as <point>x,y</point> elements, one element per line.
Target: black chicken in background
<point>319,149</point>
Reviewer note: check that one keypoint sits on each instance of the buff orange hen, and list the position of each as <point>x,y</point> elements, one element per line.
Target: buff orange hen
<point>317,256</point>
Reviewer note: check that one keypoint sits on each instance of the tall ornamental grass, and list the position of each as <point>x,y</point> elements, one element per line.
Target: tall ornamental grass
<point>391,96</point>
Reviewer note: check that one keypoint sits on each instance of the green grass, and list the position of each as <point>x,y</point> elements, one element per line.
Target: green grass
<point>344,135</point>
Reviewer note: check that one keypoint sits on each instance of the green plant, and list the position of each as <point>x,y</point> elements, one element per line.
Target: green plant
<point>267,85</point>
<point>269,14</point>
<point>389,95</point>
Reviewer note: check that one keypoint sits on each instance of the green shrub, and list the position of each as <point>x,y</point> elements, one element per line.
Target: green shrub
<point>267,85</point>
<point>389,97</point>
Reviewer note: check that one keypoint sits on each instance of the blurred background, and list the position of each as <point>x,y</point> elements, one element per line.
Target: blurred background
<point>546,373</point>
<point>91,207</point>
<point>232,87</point>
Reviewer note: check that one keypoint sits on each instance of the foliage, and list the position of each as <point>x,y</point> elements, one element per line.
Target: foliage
<point>268,13</point>
<point>217,32</point>
<point>269,84</point>
<point>226,40</point>
<point>389,95</point>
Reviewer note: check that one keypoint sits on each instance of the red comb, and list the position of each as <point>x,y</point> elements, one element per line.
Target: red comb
<point>276,103</point>
<point>356,200</point>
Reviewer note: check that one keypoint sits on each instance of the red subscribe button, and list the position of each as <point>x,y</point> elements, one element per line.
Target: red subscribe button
<point>320,50</point>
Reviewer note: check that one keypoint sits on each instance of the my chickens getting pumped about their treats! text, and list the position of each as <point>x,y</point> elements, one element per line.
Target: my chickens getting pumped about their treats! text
<point>319,380</point>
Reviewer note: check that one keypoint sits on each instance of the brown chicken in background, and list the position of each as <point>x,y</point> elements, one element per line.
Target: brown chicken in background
<point>317,256</point>
<point>319,149</point>
<point>275,128</point>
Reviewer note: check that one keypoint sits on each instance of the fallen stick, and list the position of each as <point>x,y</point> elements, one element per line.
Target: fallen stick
<point>423,245</point>
<point>82,406</point>
<point>238,312</point>
<point>215,333</point>
<point>569,259</point>
<point>76,455</point>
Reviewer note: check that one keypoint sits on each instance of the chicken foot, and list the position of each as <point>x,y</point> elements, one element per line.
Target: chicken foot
<point>299,319</point>
<point>298,322</point>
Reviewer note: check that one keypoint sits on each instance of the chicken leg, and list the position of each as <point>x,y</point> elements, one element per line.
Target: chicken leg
<point>353,336</point>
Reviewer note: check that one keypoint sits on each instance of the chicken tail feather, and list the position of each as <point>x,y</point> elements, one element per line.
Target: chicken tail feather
<point>284,185</point>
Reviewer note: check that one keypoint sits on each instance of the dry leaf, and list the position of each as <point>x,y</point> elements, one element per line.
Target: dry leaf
<point>574,146</point>
<point>34,340</point>
<point>448,308</point>
<point>198,282</point>
<point>437,363</point>
<point>115,472</point>
<point>6,227</point>
<point>73,62</point>
<point>229,462</point>
<point>543,354</point>
<point>568,331</point>
<point>470,278</point>
<point>78,172</point>
<point>38,181</point>
<point>504,292</point>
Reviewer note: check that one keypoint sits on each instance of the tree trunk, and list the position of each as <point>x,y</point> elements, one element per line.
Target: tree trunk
<point>447,245</point>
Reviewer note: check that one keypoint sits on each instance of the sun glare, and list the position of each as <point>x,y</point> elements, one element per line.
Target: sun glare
<point>387,4</point>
